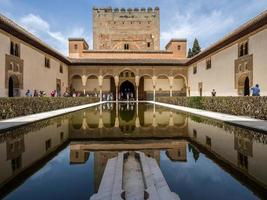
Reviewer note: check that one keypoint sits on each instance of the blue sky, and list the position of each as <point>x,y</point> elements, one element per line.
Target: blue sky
<point>53,21</point>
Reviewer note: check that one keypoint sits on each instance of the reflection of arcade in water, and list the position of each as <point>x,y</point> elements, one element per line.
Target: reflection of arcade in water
<point>128,121</point>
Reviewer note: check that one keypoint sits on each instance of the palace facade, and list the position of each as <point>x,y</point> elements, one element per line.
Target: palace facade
<point>126,57</point>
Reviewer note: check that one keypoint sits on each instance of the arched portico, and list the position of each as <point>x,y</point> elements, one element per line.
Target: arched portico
<point>149,82</point>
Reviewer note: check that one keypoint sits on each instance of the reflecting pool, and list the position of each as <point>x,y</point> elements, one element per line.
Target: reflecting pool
<point>65,157</point>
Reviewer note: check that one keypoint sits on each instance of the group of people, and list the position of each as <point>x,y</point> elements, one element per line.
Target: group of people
<point>35,93</point>
<point>129,96</point>
<point>107,97</point>
<point>255,91</point>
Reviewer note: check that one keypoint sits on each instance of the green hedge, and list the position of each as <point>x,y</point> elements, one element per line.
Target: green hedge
<point>21,106</point>
<point>245,106</point>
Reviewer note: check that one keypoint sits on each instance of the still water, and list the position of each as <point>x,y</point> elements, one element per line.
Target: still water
<point>65,157</point>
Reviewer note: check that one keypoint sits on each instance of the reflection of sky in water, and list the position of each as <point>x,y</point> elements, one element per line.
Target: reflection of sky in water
<point>201,180</point>
<point>58,180</point>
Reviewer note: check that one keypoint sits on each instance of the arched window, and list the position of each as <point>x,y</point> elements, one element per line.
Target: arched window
<point>126,46</point>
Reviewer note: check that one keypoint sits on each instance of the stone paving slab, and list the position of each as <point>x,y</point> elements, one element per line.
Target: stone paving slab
<point>248,122</point>
<point>20,121</point>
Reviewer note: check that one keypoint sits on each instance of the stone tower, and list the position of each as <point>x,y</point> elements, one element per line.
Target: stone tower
<point>131,29</point>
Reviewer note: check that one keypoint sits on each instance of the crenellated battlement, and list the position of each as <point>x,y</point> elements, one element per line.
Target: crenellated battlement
<point>123,10</point>
<point>126,29</point>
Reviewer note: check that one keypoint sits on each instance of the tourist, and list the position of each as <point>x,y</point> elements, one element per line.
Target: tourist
<point>28,93</point>
<point>35,93</point>
<point>213,93</point>
<point>53,93</point>
<point>256,90</point>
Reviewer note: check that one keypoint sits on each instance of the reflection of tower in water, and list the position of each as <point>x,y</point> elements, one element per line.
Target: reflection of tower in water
<point>101,158</point>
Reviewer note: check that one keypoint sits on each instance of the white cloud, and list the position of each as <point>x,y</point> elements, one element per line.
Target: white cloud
<point>203,26</point>
<point>42,29</point>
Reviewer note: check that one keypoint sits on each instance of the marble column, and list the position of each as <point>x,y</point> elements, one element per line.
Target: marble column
<point>137,80</point>
<point>117,79</point>
<point>100,82</point>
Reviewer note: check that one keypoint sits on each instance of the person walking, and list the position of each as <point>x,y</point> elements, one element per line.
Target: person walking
<point>256,90</point>
<point>213,93</point>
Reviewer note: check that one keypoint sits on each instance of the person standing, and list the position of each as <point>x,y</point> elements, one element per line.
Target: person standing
<point>213,93</point>
<point>256,90</point>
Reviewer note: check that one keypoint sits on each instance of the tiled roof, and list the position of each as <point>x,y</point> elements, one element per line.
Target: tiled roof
<point>154,62</point>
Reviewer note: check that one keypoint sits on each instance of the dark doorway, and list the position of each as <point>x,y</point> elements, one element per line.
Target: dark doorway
<point>10,87</point>
<point>13,86</point>
<point>127,89</point>
<point>246,87</point>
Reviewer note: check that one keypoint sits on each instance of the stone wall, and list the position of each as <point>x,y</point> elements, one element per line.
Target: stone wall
<point>244,106</point>
<point>21,106</point>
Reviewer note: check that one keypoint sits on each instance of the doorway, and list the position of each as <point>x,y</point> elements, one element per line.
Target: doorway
<point>127,91</point>
<point>13,86</point>
<point>246,87</point>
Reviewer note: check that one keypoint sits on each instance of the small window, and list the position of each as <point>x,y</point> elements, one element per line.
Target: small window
<point>195,70</point>
<point>208,63</point>
<point>62,136</point>
<point>243,49</point>
<point>208,141</point>
<point>126,46</point>
<point>16,163</point>
<point>47,62</point>
<point>194,133</point>
<point>14,49</point>
<point>76,46</point>
<point>179,47</point>
<point>148,44</point>
<point>61,69</point>
<point>47,144</point>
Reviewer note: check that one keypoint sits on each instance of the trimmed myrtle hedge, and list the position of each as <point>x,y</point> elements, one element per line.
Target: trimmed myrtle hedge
<point>245,106</point>
<point>21,106</point>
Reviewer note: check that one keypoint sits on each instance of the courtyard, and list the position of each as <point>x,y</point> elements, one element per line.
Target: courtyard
<point>133,100</point>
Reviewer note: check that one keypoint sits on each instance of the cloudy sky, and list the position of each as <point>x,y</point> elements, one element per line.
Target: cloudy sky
<point>54,21</point>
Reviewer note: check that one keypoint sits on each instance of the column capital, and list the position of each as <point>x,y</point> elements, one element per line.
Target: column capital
<point>137,80</point>
<point>117,80</point>
<point>84,80</point>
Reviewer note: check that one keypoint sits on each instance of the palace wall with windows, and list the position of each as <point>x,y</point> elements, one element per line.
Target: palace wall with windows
<point>230,67</point>
<point>29,68</point>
